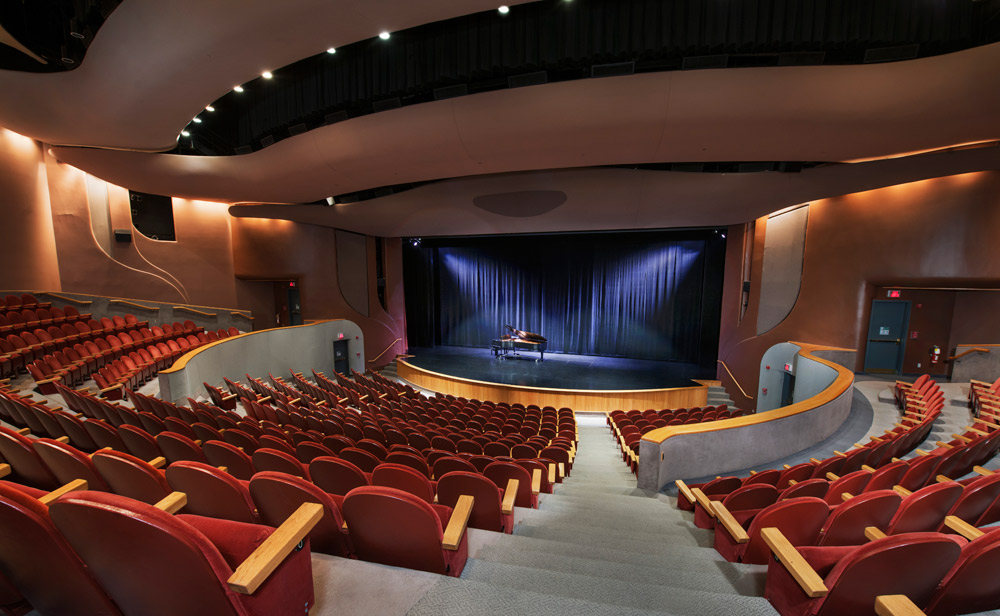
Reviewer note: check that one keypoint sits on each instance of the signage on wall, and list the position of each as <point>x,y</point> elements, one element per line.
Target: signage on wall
<point>883,331</point>
<point>788,367</point>
<point>894,293</point>
<point>913,335</point>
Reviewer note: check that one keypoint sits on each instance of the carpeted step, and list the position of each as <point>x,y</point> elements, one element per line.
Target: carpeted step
<point>612,523</point>
<point>682,570</point>
<point>618,540</point>
<point>598,589</point>
<point>459,597</point>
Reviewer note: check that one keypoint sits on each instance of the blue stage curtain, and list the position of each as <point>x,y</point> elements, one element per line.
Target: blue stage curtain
<point>609,295</point>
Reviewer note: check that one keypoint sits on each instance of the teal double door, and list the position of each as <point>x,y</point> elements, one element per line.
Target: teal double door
<point>887,336</point>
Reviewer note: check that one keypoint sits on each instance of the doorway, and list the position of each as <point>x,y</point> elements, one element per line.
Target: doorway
<point>287,304</point>
<point>886,336</point>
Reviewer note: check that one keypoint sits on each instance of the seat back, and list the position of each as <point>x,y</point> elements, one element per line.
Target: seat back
<point>486,510</point>
<point>177,447</point>
<point>443,466</point>
<point>402,477</point>
<point>237,463</point>
<point>267,459</point>
<point>26,466</point>
<point>750,497</point>
<point>414,461</point>
<point>976,499</point>
<point>39,561</point>
<point>129,476</point>
<point>925,509</point>
<point>501,472</point>
<point>212,492</point>
<point>396,528</point>
<point>848,521</point>
<point>887,476</point>
<point>853,483</point>
<point>816,488</point>
<point>910,565</point>
<point>336,476</point>
<point>360,458</point>
<point>68,463</point>
<point>278,495</point>
<point>972,585</point>
<point>799,519</point>
<point>140,443</point>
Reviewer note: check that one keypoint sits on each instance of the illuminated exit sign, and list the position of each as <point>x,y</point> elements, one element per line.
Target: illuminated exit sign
<point>894,293</point>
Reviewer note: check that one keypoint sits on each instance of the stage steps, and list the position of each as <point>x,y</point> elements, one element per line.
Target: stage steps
<point>599,545</point>
<point>717,395</point>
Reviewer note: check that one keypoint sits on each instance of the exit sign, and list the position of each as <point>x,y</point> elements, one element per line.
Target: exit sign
<point>894,293</point>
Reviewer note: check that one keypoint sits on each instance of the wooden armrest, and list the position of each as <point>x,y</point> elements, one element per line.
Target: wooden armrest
<point>814,460</point>
<point>914,420</point>
<point>839,453</point>
<point>729,523</point>
<point>901,491</point>
<point>562,466</point>
<point>875,438</point>
<point>787,555</point>
<point>4,470</point>
<point>459,519</point>
<point>832,476</point>
<point>47,381</point>
<point>943,479</point>
<point>977,431</point>
<point>982,471</point>
<point>873,533</point>
<point>962,527</point>
<point>704,501</point>
<point>895,460</point>
<point>792,482</point>
<point>536,481</point>
<point>980,382</point>
<point>227,398</point>
<point>786,466</point>
<point>943,444</point>
<point>24,431</point>
<point>865,467</point>
<point>682,488</point>
<point>295,401</point>
<point>113,387</point>
<point>896,605</point>
<point>158,462</point>
<point>899,425</point>
<point>509,495</point>
<point>921,452</point>
<point>73,486</point>
<point>265,559</point>
<point>264,399</point>
<point>752,473</point>
<point>552,473</point>
<point>173,502</point>
<point>63,439</point>
<point>364,398</point>
<point>224,469</point>
<point>846,496</point>
<point>962,438</point>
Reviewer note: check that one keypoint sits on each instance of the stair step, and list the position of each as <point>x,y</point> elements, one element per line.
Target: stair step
<point>461,597</point>
<point>683,571</point>
<point>623,540</point>
<point>598,589</point>
<point>599,520</point>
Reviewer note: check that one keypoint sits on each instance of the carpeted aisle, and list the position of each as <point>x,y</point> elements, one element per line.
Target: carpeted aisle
<point>599,545</point>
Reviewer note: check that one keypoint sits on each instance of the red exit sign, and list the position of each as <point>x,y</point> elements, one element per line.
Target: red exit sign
<point>894,293</point>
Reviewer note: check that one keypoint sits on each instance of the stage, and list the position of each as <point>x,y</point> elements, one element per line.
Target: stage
<point>580,382</point>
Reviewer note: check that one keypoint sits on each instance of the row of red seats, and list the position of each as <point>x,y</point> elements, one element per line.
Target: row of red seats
<point>984,397</point>
<point>16,321</point>
<point>25,300</point>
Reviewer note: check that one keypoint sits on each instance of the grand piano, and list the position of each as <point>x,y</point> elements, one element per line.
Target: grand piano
<point>517,340</point>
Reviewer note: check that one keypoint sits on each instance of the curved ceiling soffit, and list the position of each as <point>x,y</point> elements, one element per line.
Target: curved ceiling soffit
<point>616,198</point>
<point>828,113</point>
<point>150,70</point>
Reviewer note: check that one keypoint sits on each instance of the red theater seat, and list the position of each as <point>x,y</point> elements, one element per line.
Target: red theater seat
<point>494,507</point>
<point>527,490</point>
<point>393,527</point>
<point>337,476</point>
<point>277,495</point>
<point>129,476</point>
<point>156,564</point>
<point>212,492</point>
<point>237,462</point>
<point>68,463</point>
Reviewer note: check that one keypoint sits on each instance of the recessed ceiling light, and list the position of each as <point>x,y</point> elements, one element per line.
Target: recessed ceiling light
<point>184,133</point>
<point>197,120</point>
<point>266,75</point>
<point>331,50</point>
<point>238,89</point>
<point>210,108</point>
<point>504,9</point>
<point>384,36</point>
<point>77,35</point>
<point>72,61</point>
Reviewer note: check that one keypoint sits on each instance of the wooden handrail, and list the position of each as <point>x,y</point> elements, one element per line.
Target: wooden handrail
<point>65,298</point>
<point>391,344</point>
<point>204,314</point>
<point>133,304</point>
<point>240,314</point>
<point>730,373</point>
<point>967,351</point>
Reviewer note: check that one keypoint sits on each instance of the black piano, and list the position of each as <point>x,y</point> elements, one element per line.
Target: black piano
<point>516,340</point>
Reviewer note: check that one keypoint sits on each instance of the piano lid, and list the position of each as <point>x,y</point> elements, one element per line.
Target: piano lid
<point>523,335</point>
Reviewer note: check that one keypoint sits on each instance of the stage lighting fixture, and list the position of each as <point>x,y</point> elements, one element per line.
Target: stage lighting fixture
<point>415,241</point>
<point>331,50</point>
<point>184,133</point>
<point>238,89</point>
<point>196,120</point>
<point>210,108</point>
<point>383,35</point>
<point>504,9</point>
<point>266,74</point>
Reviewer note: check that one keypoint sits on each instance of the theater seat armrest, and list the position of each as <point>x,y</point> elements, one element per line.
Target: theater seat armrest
<point>4,470</point>
<point>536,481</point>
<point>896,605</point>
<point>457,523</point>
<point>173,502</point>
<point>729,523</point>
<point>228,397</point>
<point>901,491</point>
<point>873,533</point>
<point>552,473</point>
<point>265,559</point>
<point>962,527</point>
<point>112,388</point>
<point>982,471</point>
<point>63,439</point>
<point>810,582</point>
<point>73,486</point>
<point>158,462</point>
<point>682,488</point>
<point>704,501</point>
<point>509,495</point>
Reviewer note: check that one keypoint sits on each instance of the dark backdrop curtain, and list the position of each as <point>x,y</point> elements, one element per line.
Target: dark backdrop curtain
<point>638,295</point>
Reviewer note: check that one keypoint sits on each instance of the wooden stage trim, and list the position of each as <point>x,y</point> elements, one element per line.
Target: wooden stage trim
<point>589,400</point>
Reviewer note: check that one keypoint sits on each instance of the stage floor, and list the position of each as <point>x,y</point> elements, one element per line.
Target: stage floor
<point>558,371</point>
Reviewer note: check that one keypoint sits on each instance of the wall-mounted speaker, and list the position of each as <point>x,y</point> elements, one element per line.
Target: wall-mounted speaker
<point>123,235</point>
